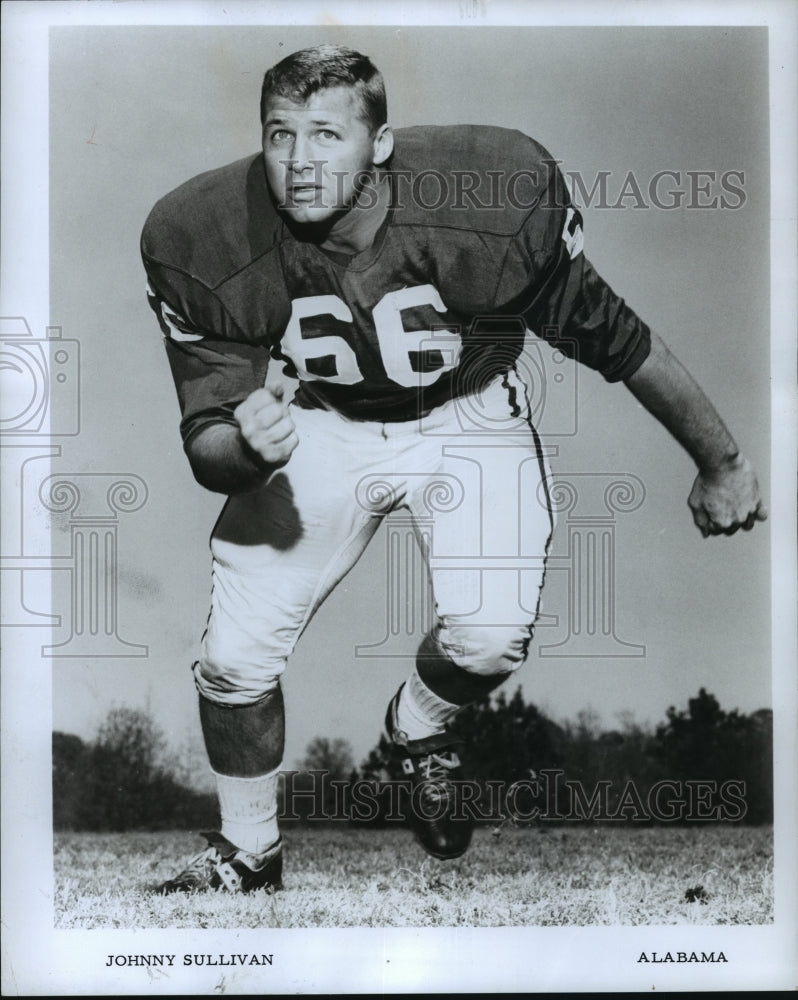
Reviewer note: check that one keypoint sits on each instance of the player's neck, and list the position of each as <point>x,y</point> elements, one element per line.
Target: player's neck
<point>355,230</point>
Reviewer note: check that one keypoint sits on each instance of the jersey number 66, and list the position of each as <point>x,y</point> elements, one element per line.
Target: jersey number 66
<point>397,345</point>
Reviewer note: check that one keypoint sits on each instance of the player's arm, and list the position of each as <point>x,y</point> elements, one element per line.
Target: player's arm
<point>575,309</point>
<point>725,495</point>
<point>596,327</point>
<point>235,432</point>
<point>240,458</point>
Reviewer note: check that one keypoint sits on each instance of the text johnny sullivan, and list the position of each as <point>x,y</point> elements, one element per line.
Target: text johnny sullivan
<point>190,959</point>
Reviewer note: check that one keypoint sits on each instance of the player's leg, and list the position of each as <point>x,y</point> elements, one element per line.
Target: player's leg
<point>486,555</point>
<point>276,555</point>
<point>245,749</point>
<point>487,559</point>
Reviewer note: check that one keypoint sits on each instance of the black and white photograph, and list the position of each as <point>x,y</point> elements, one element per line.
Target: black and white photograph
<point>398,450</point>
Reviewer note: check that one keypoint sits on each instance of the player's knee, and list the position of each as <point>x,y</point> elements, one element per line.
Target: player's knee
<point>485,649</point>
<point>235,684</point>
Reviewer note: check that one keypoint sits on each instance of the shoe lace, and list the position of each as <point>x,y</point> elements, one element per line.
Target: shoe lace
<point>436,767</point>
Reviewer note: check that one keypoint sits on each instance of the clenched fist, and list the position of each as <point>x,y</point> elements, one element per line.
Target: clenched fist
<point>266,425</point>
<point>726,499</point>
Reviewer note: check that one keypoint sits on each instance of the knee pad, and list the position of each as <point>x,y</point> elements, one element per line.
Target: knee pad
<point>485,649</point>
<point>235,684</point>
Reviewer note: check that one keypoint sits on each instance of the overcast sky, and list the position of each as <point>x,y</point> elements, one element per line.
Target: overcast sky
<point>136,111</point>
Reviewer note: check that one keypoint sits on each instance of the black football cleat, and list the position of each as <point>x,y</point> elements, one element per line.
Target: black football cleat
<point>433,766</point>
<point>223,866</point>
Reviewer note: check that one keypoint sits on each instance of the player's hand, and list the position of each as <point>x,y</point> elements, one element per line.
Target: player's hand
<point>725,499</point>
<point>266,425</point>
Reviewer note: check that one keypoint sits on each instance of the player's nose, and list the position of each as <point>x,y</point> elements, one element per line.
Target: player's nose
<point>300,155</point>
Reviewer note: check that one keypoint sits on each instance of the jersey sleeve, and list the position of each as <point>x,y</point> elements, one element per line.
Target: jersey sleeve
<point>566,302</point>
<point>212,372</point>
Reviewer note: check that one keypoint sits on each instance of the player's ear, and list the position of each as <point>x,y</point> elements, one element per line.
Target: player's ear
<point>382,145</point>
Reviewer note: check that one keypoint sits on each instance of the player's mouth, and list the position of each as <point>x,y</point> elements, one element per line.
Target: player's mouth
<point>305,193</point>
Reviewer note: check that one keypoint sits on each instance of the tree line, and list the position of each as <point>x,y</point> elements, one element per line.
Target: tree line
<point>701,763</point>
<point>124,780</point>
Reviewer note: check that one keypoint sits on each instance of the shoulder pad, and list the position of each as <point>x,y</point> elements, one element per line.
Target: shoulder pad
<point>214,224</point>
<point>477,177</point>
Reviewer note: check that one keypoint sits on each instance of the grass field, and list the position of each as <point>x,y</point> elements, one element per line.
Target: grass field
<point>347,877</point>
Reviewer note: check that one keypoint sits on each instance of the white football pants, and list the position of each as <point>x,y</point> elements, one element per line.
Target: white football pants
<point>474,480</point>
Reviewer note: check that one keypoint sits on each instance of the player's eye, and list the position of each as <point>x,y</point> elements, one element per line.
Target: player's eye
<point>327,134</point>
<point>279,135</point>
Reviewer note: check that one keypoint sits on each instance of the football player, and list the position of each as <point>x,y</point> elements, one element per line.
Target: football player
<point>394,276</point>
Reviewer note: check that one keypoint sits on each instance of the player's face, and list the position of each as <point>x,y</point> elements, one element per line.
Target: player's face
<point>319,153</point>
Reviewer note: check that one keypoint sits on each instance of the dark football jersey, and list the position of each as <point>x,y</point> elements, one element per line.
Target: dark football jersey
<point>480,243</point>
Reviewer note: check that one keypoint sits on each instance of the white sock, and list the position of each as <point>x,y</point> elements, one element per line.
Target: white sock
<point>249,810</point>
<point>421,712</point>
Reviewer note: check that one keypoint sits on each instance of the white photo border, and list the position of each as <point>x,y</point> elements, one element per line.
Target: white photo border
<point>37,959</point>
